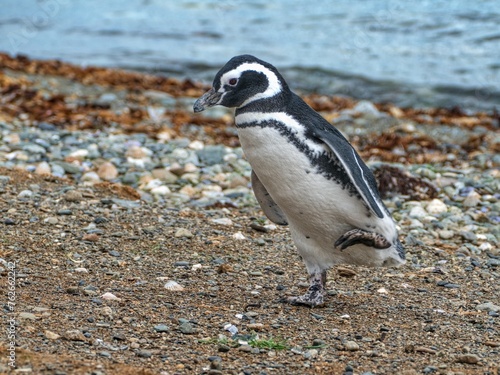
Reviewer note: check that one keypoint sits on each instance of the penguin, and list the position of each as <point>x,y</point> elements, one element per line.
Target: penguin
<point>305,174</point>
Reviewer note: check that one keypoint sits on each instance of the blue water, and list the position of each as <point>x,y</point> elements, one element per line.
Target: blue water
<point>412,53</point>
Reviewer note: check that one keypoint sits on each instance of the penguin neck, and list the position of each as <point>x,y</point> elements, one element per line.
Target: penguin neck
<point>276,103</point>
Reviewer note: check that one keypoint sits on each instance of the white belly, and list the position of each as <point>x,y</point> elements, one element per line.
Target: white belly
<point>318,210</point>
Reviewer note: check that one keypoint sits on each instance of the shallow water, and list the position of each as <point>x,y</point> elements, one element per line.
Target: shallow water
<point>427,53</point>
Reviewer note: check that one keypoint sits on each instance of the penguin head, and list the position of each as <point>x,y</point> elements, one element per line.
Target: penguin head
<point>242,80</point>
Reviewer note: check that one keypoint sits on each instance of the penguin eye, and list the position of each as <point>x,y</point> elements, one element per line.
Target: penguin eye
<point>233,81</point>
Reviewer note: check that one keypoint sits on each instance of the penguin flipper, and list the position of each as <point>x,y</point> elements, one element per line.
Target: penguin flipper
<point>360,175</point>
<point>268,205</point>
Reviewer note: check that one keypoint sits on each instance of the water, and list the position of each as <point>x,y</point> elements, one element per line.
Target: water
<point>426,53</point>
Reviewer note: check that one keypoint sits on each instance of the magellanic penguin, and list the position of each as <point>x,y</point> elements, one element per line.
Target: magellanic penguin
<point>305,174</point>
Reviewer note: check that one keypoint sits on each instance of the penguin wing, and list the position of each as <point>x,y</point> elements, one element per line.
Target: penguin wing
<point>359,174</point>
<point>270,208</point>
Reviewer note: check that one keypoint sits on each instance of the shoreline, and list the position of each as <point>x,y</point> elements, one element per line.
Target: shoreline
<point>134,80</point>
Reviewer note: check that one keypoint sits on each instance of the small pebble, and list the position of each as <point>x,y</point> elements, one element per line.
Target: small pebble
<point>186,328</point>
<point>467,358</point>
<point>318,342</point>
<point>223,348</point>
<point>351,346</point>
<point>27,315</point>
<point>183,233</point>
<point>144,353</point>
<point>43,169</point>
<point>488,306</point>
<point>51,335</point>
<point>107,171</point>
<point>161,328</point>
<point>223,221</point>
<point>110,297</point>
<point>74,335</point>
<point>64,212</point>
<point>446,234</point>
<point>436,207</point>
<point>73,196</point>
<point>25,194</point>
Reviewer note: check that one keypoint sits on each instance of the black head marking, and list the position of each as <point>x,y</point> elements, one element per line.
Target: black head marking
<point>246,78</point>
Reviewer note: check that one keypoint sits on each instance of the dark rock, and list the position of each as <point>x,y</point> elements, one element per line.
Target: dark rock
<point>214,358</point>
<point>119,336</point>
<point>46,126</point>
<point>64,212</point>
<point>493,262</point>
<point>223,348</point>
<point>144,353</point>
<point>318,342</point>
<point>9,221</point>
<point>73,290</point>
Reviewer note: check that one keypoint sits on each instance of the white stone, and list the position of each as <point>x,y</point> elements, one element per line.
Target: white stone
<point>153,184</point>
<point>51,335</point>
<point>485,246</point>
<point>446,234</point>
<point>436,206</point>
<point>137,162</point>
<point>197,145</point>
<point>43,168</point>
<point>190,168</point>
<point>91,177</point>
<point>173,286</point>
<point>196,267</point>
<point>160,190</point>
<point>81,153</point>
<point>417,212</point>
<point>25,194</point>
<point>183,232</point>
<point>270,227</point>
<point>223,221</point>
<point>180,153</point>
<point>110,297</point>
<point>239,236</point>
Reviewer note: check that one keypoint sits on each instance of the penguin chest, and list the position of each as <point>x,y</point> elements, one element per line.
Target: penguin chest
<point>319,204</point>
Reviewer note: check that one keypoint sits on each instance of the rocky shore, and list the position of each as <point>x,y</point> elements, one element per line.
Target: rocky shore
<point>140,248</point>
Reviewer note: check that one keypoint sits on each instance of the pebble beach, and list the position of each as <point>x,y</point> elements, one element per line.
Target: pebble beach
<point>140,248</point>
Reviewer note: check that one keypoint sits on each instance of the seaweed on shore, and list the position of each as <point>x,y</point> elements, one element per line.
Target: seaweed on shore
<point>394,181</point>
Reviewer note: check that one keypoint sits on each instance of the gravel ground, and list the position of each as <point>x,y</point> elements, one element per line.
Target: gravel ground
<point>139,247</point>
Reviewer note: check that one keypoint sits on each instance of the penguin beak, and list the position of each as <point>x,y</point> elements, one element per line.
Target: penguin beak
<point>207,100</point>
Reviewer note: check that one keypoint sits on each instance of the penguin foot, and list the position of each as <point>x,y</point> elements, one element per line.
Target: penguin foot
<point>315,294</point>
<point>360,236</point>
